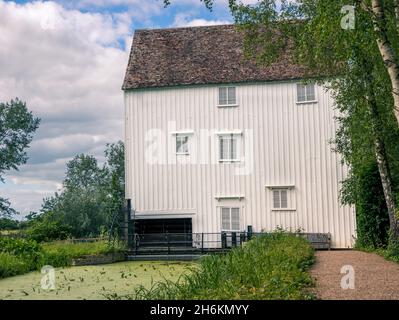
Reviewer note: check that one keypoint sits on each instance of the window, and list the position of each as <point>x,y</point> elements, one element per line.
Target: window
<point>227,96</point>
<point>228,145</point>
<point>181,144</point>
<point>230,219</point>
<point>306,93</point>
<point>280,199</point>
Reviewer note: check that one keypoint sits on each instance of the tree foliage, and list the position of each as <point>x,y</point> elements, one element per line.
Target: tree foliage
<point>91,201</point>
<point>371,211</point>
<point>17,126</point>
<point>8,224</point>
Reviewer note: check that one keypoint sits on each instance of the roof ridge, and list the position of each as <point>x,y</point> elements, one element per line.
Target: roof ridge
<point>184,27</point>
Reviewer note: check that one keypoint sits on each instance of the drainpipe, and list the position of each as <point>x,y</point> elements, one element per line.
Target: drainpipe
<point>128,233</point>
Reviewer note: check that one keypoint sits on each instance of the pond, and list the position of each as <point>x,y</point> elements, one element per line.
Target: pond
<point>92,282</point>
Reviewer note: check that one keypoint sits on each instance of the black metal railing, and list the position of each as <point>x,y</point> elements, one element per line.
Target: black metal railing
<point>186,242</point>
<point>181,243</point>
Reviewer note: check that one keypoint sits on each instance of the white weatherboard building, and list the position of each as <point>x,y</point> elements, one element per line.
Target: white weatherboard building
<point>217,143</point>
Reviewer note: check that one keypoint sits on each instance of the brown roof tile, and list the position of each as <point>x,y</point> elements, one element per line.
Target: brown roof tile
<point>197,55</point>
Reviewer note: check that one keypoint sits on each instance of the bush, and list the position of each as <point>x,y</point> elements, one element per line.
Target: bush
<point>18,256</point>
<point>27,251</point>
<point>61,254</point>
<point>11,265</point>
<point>272,266</point>
<point>47,229</point>
<point>371,211</point>
<point>8,224</point>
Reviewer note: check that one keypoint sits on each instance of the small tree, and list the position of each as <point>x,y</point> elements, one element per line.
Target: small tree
<point>17,126</point>
<point>115,187</point>
<point>92,198</point>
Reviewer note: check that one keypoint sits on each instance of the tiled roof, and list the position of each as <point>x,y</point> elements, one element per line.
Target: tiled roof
<point>198,55</point>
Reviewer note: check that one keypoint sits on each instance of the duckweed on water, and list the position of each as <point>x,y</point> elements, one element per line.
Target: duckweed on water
<point>92,282</point>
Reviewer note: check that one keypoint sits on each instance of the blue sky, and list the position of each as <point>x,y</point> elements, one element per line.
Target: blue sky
<point>67,60</point>
<point>178,13</point>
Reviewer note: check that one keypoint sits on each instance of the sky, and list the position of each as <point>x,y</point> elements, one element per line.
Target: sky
<point>66,60</point>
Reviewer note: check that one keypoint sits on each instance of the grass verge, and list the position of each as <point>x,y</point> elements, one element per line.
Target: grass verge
<point>385,253</point>
<point>18,256</point>
<point>273,266</point>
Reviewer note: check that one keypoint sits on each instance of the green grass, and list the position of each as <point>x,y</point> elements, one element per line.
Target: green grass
<point>385,253</point>
<point>9,232</point>
<point>273,266</point>
<point>18,256</point>
<point>61,253</point>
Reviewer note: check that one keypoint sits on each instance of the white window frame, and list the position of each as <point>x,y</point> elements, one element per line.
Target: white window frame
<point>306,87</point>
<point>227,104</point>
<point>180,135</point>
<point>184,145</point>
<point>280,192</point>
<point>230,229</point>
<point>234,135</point>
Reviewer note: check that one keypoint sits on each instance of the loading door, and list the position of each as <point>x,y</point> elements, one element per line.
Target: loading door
<point>164,232</point>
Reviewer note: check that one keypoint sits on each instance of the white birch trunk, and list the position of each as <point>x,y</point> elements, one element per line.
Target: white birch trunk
<point>386,50</point>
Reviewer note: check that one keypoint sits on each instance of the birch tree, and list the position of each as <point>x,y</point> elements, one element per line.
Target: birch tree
<point>379,13</point>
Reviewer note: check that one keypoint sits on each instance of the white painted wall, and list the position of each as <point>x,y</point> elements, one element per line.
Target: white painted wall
<point>290,147</point>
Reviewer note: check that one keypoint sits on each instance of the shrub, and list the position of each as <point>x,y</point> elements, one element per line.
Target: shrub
<point>27,251</point>
<point>8,224</point>
<point>61,254</point>
<point>272,266</point>
<point>11,265</point>
<point>371,211</point>
<point>47,229</point>
<point>18,256</point>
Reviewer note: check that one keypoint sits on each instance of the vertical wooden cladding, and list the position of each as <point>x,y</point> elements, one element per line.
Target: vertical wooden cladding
<point>291,144</point>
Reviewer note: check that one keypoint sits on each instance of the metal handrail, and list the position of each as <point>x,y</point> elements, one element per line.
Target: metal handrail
<point>210,241</point>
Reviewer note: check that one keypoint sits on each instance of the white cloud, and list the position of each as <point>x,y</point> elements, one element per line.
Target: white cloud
<point>69,67</point>
<point>186,20</point>
<point>67,60</point>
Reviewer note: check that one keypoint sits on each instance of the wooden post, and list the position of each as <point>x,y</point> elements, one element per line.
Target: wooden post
<point>224,240</point>
<point>167,239</point>
<point>234,239</point>
<point>250,232</point>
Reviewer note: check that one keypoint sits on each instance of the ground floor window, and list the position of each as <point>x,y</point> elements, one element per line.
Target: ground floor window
<point>230,218</point>
<point>280,199</point>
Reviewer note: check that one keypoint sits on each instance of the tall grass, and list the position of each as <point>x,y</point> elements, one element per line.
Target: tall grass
<point>386,253</point>
<point>18,256</point>
<point>62,253</point>
<point>273,266</point>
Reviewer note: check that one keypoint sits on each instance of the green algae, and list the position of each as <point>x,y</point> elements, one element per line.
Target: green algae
<point>92,282</point>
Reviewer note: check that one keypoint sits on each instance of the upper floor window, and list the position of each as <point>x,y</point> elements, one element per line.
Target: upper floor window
<point>305,93</point>
<point>181,144</point>
<point>228,147</point>
<point>227,96</point>
<point>182,141</point>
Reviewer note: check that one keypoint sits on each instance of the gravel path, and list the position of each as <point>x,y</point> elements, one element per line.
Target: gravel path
<point>375,277</point>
